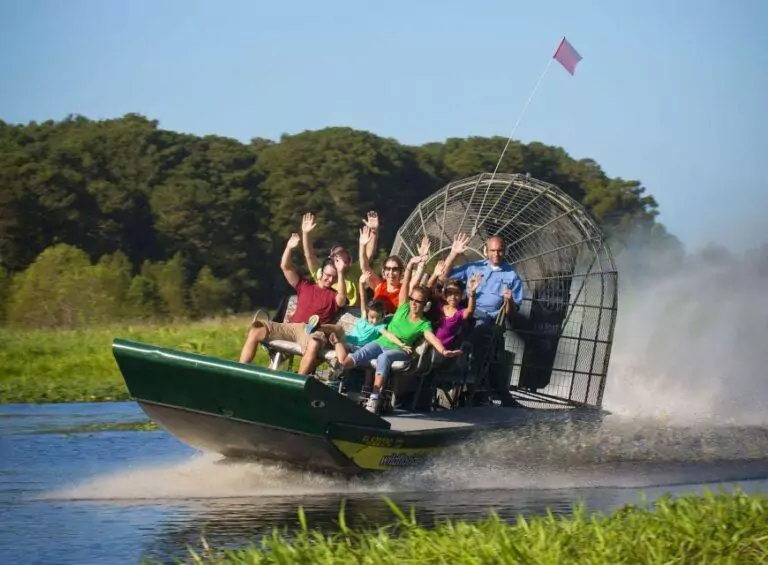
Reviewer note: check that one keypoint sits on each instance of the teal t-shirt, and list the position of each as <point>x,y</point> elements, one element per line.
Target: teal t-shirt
<point>404,328</point>
<point>364,332</point>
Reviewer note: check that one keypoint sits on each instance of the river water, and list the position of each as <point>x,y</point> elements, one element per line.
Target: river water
<point>68,496</point>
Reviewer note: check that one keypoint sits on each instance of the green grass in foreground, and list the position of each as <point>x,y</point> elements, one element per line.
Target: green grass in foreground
<point>77,365</point>
<point>713,528</point>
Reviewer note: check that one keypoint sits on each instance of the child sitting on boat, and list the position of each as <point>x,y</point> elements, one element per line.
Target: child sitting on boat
<point>396,341</point>
<point>448,316</point>
<point>365,330</point>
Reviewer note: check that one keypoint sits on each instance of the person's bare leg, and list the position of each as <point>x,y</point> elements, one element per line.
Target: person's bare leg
<point>341,352</point>
<point>255,337</point>
<point>348,362</point>
<point>309,359</point>
<point>378,382</point>
<point>339,347</point>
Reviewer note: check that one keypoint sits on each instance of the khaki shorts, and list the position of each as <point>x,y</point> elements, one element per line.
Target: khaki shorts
<point>290,332</point>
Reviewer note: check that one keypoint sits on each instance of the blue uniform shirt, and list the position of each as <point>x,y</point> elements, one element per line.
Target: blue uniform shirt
<point>490,294</point>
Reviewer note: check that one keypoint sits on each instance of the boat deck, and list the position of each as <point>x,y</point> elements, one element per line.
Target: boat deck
<point>480,417</point>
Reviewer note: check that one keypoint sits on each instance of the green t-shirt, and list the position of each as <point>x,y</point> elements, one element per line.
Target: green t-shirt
<point>349,285</point>
<point>404,328</point>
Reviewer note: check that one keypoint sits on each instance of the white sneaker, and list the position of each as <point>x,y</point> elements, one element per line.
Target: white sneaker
<point>372,404</point>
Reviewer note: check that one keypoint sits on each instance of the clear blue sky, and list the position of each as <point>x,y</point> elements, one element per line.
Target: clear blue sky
<point>670,92</point>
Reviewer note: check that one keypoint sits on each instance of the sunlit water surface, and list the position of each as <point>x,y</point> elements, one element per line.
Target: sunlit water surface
<point>118,497</point>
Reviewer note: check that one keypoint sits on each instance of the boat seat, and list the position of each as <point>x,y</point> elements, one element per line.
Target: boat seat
<point>289,347</point>
<point>279,349</point>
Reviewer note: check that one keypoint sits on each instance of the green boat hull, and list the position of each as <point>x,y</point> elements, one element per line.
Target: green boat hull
<point>247,411</point>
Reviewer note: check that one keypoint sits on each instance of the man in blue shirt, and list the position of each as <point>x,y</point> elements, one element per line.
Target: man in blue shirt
<point>499,280</point>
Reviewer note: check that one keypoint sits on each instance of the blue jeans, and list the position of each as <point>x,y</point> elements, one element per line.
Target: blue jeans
<point>384,357</point>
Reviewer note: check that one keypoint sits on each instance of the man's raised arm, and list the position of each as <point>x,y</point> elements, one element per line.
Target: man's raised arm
<point>286,265</point>
<point>307,225</point>
<point>459,246</point>
<point>341,287</point>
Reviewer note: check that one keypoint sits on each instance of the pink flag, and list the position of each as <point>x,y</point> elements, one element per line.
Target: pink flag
<point>567,56</point>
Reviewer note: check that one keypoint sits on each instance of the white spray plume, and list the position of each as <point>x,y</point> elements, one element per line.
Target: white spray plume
<point>691,342</point>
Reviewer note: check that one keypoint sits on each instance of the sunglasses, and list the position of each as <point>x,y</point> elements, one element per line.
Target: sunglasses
<point>391,268</point>
<point>412,299</point>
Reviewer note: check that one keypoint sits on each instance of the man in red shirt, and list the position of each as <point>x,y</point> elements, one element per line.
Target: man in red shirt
<point>312,299</point>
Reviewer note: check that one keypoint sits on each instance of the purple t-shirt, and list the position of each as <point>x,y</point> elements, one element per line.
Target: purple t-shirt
<point>448,328</point>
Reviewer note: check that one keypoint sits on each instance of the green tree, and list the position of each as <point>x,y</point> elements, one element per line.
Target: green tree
<point>339,174</point>
<point>210,295</point>
<point>5,287</point>
<point>143,298</point>
<point>126,188</point>
<point>50,292</point>
<point>171,280</point>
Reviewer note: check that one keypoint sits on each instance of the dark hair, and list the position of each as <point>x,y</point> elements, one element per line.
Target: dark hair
<point>424,292</point>
<point>458,284</point>
<point>377,306</point>
<point>337,250</point>
<point>397,260</point>
<point>327,263</point>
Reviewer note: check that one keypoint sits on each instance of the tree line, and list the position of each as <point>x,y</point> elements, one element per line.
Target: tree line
<point>115,219</point>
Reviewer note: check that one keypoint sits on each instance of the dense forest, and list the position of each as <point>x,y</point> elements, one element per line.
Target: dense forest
<point>120,219</point>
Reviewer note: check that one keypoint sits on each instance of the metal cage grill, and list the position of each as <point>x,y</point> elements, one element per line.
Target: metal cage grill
<point>561,339</point>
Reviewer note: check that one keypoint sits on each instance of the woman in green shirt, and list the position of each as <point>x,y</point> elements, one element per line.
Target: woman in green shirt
<point>396,341</point>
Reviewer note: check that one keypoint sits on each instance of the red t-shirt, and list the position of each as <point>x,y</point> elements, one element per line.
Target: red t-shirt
<point>391,300</point>
<point>311,299</point>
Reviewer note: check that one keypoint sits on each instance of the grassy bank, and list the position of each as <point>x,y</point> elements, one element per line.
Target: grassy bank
<point>722,528</point>
<point>71,366</point>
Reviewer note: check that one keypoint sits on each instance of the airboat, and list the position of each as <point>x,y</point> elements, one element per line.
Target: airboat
<point>553,354</point>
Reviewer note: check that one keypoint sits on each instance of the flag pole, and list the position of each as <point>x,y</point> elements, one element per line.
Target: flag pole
<point>509,140</point>
<point>569,58</point>
<point>522,113</point>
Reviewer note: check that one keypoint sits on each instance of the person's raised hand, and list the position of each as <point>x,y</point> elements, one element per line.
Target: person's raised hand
<point>308,222</point>
<point>293,241</point>
<point>424,247</point>
<point>460,243</point>
<point>372,220</point>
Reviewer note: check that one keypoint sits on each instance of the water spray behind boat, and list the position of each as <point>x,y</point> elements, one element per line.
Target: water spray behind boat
<point>691,341</point>
<point>621,453</point>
